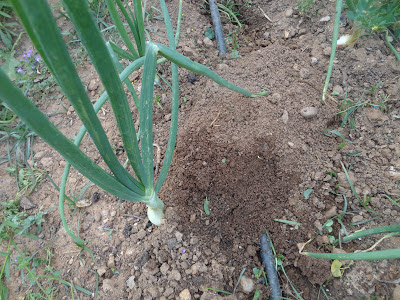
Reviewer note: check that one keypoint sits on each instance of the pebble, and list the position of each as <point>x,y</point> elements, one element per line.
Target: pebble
<point>185,295</point>
<point>208,43</point>
<point>107,285</point>
<point>309,112</point>
<point>289,12</point>
<point>25,203</point>
<point>325,19</point>
<point>93,85</point>
<point>171,244</point>
<point>357,218</point>
<point>275,97</point>
<point>175,275</point>
<point>39,155</point>
<point>304,73</point>
<point>247,284</point>
<point>187,51</point>
<point>331,212</point>
<point>131,282</point>
<point>285,117</point>
<point>266,35</point>
<point>338,89</point>
<point>111,261</point>
<point>342,178</point>
<point>314,61</point>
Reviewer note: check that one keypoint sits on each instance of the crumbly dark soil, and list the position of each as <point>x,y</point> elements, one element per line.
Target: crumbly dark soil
<point>252,158</point>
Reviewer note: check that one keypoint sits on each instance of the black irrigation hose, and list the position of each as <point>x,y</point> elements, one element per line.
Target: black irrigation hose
<point>267,257</point>
<point>219,35</point>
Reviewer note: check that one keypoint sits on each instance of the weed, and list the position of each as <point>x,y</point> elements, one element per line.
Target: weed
<point>232,11</point>
<point>6,34</point>
<point>306,8</point>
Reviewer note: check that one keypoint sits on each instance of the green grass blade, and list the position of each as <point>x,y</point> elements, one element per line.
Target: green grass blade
<point>127,82</point>
<point>374,255</point>
<point>367,232</point>
<point>175,101</point>
<point>140,25</point>
<point>41,27</point>
<point>338,11</point>
<point>132,22</point>
<point>120,52</point>
<point>93,41</point>
<point>39,123</point>
<point>396,54</point>
<point>186,63</point>
<point>178,23</point>
<point>120,27</point>
<point>146,112</point>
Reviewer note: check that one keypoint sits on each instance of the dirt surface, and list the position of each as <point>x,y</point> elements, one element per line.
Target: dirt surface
<point>252,158</point>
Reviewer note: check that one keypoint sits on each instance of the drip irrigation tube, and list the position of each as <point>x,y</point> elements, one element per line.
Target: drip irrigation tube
<point>219,35</point>
<point>268,261</point>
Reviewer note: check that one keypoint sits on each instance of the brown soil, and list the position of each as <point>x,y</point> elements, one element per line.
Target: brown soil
<point>252,158</point>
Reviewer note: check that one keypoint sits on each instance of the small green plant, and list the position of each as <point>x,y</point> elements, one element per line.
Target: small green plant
<point>232,11</point>
<point>6,34</point>
<point>234,46</point>
<point>39,23</point>
<point>306,8</point>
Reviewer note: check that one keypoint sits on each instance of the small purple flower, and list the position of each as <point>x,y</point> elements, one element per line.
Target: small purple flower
<point>29,52</point>
<point>40,246</point>
<point>19,70</point>
<point>183,251</point>
<point>33,67</point>
<point>37,59</point>
<point>15,259</point>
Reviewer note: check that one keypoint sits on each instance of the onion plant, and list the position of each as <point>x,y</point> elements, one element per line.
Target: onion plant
<point>41,27</point>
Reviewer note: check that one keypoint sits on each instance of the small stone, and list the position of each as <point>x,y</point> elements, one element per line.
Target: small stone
<point>107,285</point>
<point>192,218</point>
<point>327,51</point>
<point>141,234</point>
<point>266,35</point>
<point>251,250</point>
<point>247,284</point>
<point>111,261</point>
<point>275,97</point>
<point>187,51</point>
<point>167,117</point>
<point>325,19</point>
<point>185,295</point>
<point>25,203</point>
<point>331,212</point>
<point>131,282</point>
<point>376,115</point>
<point>285,117</point>
<point>291,145</point>
<point>318,225</point>
<point>356,219</point>
<point>171,244</point>
<point>178,236</point>
<point>101,271</point>
<point>175,275</point>
<point>39,155</point>
<point>309,112</point>
<point>93,85</point>
<point>164,268</point>
<point>208,43</point>
<point>304,73</point>
<point>314,61</point>
<point>342,178</point>
<point>338,90</point>
<point>289,12</point>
